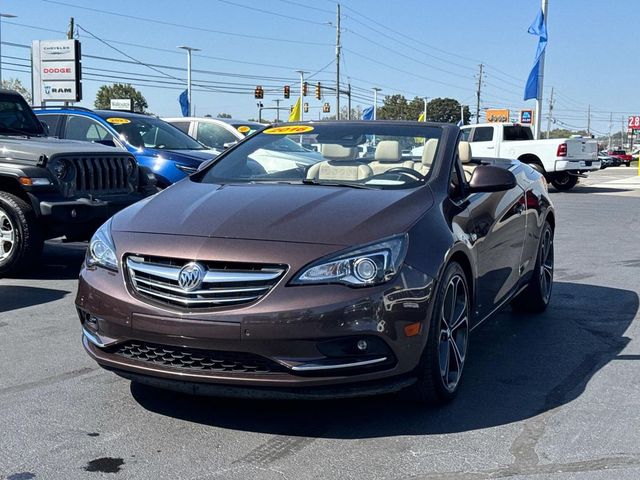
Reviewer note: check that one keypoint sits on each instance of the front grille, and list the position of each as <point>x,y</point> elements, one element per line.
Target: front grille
<point>96,174</point>
<point>223,284</point>
<point>184,358</point>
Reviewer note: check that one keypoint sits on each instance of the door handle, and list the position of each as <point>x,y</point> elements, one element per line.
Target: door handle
<point>490,148</point>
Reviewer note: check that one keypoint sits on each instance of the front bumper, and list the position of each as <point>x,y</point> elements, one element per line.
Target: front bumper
<point>290,329</point>
<point>577,165</point>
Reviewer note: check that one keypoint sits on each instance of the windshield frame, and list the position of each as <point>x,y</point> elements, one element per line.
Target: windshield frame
<point>442,129</point>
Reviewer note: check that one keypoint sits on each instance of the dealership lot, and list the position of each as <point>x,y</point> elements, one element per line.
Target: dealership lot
<point>544,396</point>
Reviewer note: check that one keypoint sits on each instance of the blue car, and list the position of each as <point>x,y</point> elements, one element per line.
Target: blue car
<point>167,151</point>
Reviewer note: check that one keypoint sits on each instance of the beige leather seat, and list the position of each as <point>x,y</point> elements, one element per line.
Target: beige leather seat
<point>388,155</point>
<point>464,152</point>
<point>341,164</point>
<point>428,154</point>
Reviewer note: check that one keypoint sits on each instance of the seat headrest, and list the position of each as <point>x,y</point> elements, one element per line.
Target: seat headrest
<point>388,151</point>
<point>464,152</point>
<point>429,151</point>
<point>333,151</point>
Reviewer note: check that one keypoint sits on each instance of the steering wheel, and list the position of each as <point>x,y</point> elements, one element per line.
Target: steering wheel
<point>407,171</point>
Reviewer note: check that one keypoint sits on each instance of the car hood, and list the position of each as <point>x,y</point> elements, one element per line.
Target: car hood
<point>186,157</point>
<point>287,213</point>
<point>30,149</point>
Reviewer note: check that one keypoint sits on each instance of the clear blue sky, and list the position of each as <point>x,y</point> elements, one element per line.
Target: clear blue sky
<point>425,48</point>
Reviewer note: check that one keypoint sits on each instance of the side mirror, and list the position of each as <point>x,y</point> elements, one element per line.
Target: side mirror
<point>45,127</point>
<point>487,178</point>
<point>229,144</point>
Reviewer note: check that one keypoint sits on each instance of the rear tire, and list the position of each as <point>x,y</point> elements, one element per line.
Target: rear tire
<point>535,298</point>
<point>563,181</point>
<point>444,355</point>
<point>21,240</point>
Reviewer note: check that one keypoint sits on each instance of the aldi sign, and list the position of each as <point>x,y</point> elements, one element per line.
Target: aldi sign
<point>526,117</point>
<point>56,71</point>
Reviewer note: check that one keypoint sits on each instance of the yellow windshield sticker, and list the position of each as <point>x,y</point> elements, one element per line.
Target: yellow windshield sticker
<point>244,129</point>
<point>289,130</point>
<point>118,120</point>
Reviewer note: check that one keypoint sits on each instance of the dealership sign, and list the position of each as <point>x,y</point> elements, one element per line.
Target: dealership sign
<point>497,115</point>
<point>121,104</point>
<point>56,71</point>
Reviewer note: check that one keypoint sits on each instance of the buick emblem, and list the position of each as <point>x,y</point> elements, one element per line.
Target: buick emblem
<point>191,276</point>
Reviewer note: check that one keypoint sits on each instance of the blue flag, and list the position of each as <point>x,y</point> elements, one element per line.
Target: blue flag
<point>184,103</point>
<point>539,28</point>
<point>367,113</point>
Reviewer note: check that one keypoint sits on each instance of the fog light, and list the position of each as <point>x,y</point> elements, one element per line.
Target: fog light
<point>362,345</point>
<point>91,321</point>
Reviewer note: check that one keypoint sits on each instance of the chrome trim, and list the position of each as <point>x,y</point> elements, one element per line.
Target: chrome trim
<point>191,301</point>
<point>308,367</point>
<point>212,276</point>
<point>173,288</point>
<point>96,340</point>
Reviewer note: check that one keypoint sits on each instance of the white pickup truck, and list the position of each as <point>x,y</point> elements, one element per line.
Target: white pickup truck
<point>560,160</point>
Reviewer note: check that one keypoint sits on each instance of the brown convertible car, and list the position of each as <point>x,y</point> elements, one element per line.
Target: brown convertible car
<point>331,273</point>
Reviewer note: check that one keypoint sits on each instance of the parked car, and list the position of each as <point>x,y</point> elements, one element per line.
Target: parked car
<point>221,133</point>
<point>168,152</point>
<point>343,278</point>
<point>51,187</point>
<point>608,161</point>
<point>624,157</point>
<point>560,160</point>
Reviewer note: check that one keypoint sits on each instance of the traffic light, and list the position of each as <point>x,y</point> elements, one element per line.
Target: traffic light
<point>318,91</point>
<point>326,108</point>
<point>287,91</point>
<point>304,89</point>
<point>306,107</point>
<point>258,93</point>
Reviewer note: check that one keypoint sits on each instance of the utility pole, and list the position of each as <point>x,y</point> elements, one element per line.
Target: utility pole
<point>348,101</point>
<point>338,62</point>
<point>189,51</point>
<point>462,115</point>
<point>375,102</point>
<point>610,125</point>
<point>277,100</point>
<point>425,108</point>
<point>478,95</point>
<point>589,120</point>
<point>72,29</point>
<point>538,119</point>
<point>550,116</point>
<point>622,132</point>
<point>301,72</point>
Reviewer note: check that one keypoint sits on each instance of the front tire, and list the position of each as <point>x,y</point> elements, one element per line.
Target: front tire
<point>21,240</point>
<point>444,356</point>
<point>535,298</point>
<point>563,181</point>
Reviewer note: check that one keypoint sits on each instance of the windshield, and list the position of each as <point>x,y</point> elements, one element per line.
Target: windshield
<point>16,118</point>
<point>357,154</point>
<point>150,132</point>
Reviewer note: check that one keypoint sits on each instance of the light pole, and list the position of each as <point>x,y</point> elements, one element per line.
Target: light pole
<point>3,15</point>
<point>301,72</point>
<point>189,50</point>
<point>375,102</point>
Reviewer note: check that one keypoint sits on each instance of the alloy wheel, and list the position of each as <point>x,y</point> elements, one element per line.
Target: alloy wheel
<point>454,332</point>
<point>7,236</point>
<point>546,264</point>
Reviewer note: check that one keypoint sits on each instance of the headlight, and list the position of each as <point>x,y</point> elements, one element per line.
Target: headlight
<point>365,266</point>
<point>102,251</point>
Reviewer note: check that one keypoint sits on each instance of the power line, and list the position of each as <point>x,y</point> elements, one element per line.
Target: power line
<point>269,12</point>
<point>188,27</point>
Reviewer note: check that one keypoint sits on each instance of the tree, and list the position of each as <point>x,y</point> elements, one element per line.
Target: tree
<point>564,133</point>
<point>16,85</point>
<point>120,90</point>
<point>224,115</point>
<point>446,110</point>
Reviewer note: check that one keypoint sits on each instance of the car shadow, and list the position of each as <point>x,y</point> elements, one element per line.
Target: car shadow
<point>518,367</point>
<point>589,189</point>
<point>59,261</point>
<point>13,297</point>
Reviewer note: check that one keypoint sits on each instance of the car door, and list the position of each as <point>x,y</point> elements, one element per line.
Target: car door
<point>483,141</point>
<point>497,227</point>
<point>86,129</point>
<point>52,121</point>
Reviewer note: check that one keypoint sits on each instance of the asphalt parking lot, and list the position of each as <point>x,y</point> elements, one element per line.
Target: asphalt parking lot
<point>549,396</point>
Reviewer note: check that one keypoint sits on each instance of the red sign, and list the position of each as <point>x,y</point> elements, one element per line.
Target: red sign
<point>634,122</point>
